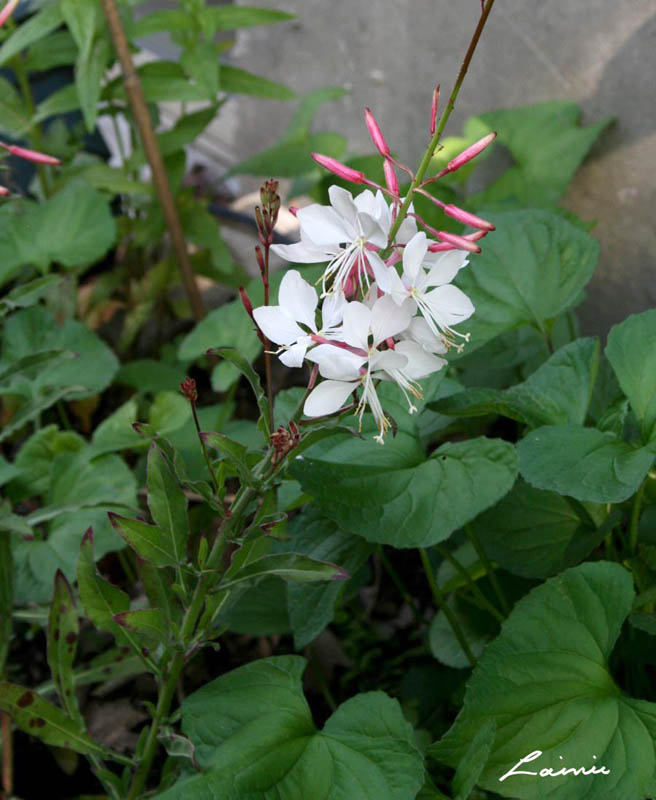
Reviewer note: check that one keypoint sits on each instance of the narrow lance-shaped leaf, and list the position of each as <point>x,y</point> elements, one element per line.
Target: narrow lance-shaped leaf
<point>235,454</point>
<point>47,722</point>
<point>167,504</point>
<point>63,632</point>
<point>147,621</point>
<point>148,541</point>
<point>290,566</point>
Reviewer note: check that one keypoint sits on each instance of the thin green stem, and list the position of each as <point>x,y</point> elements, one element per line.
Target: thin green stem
<point>485,561</point>
<point>635,518</point>
<point>440,600</point>
<point>204,449</point>
<point>446,554</point>
<point>430,151</point>
<point>397,581</point>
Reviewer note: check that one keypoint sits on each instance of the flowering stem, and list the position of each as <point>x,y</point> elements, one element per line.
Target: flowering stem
<point>440,600</point>
<point>489,569</point>
<point>430,151</point>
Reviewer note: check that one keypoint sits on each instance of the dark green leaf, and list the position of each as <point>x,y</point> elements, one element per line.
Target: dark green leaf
<point>584,463</point>
<point>226,18</point>
<point>237,359</point>
<point>289,566</point>
<point>233,453</point>
<point>471,766</point>
<point>34,29</point>
<point>148,541</point>
<point>168,505</point>
<point>63,632</point>
<point>149,622</point>
<point>6,594</point>
<point>545,682</point>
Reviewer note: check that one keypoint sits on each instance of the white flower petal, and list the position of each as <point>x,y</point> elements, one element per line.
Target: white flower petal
<point>389,319</point>
<point>357,319</point>
<point>294,355</point>
<point>414,254</point>
<point>336,363</point>
<point>419,331</point>
<point>342,201</point>
<point>382,273</point>
<point>327,397</point>
<point>365,203</point>
<point>448,305</point>
<point>446,267</point>
<point>332,310</point>
<point>388,359</point>
<point>324,226</point>
<point>277,325</point>
<point>303,252</point>
<point>298,298</point>
<point>420,363</point>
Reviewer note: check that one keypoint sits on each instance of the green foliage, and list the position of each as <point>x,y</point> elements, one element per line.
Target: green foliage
<point>253,732</point>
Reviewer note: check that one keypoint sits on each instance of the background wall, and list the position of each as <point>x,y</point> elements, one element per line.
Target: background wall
<point>598,53</point>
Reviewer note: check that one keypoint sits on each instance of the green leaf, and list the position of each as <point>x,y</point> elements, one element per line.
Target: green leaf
<point>14,119</point>
<point>168,505</point>
<point>36,458</point>
<point>254,736</point>
<point>239,81</point>
<point>28,294</point>
<point>6,593</point>
<point>115,432</point>
<point>261,610</point>
<point>548,146</point>
<point>292,158</point>
<point>233,453</point>
<point>584,463</point>
<point>162,82</point>
<point>226,18</point>
<point>201,62</point>
<point>34,29</point>
<point>33,408</point>
<point>478,629</point>
<point>471,766</point>
<point>149,376</point>
<point>169,412</point>
<point>392,496</point>
<point>186,130</point>
<point>42,719</point>
<point>58,49</point>
<point>81,17</point>
<point>63,632</point>
<point>149,622</point>
<point>89,73</point>
<point>311,607</point>
<point>536,533</point>
<point>545,682</point>
<point>558,391</point>
<point>532,268</point>
<point>631,350</point>
<point>148,541</point>
<point>289,566</point>
<point>28,363</point>
<point>226,326</point>
<point>236,358</point>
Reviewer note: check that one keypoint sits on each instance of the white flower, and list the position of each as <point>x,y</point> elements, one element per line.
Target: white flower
<point>363,330</point>
<point>298,302</point>
<point>420,364</point>
<point>442,306</point>
<point>341,234</point>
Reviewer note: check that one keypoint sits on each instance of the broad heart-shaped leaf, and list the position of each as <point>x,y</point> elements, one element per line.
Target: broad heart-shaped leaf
<point>546,684</point>
<point>393,496</point>
<point>38,717</point>
<point>631,350</point>
<point>34,330</point>
<point>558,391</point>
<point>532,268</point>
<point>75,228</point>
<point>584,463</point>
<point>311,607</point>
<point>536,533</point>
<point>255,738</point>
<point>548,145</point>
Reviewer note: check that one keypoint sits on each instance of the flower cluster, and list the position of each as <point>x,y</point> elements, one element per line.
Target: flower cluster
<point>387,307</point>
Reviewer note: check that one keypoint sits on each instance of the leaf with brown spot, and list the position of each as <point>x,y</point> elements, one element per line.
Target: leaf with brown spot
<point>63,630</point>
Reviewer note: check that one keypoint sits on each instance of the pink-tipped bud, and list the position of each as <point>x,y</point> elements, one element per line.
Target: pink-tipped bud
<point>470,152</point>
<point>341,170</point>
<point>474,237</point>
<point>436,100</point>
<point>458,241</point>
<point>4,191</point>
<point>440,247</point>
<point>188,389</point>
<point>467,219</point>
<point>293,210</point>
<point>248,306</point>
<point>376,135</point>
<point>390,178</point>
<point>29,155</point>
<point>7,11</point>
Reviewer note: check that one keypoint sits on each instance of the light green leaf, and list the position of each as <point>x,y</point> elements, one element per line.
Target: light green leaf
<point>233,453</point>
<point>14,120</point>
<point>393,496</point>
<point>478,629</point>
<point>545,682</point>
<point>558,391</point>
<point>148,541</point>
<point>63,632</point>
<point>89,73</point>
<point>584,463</point>
<point>254,736</point>
<point>239,81</point>
<point>532,268</point>
<point>227,18</point>
<point>167,504</point>
<point>289,566</point>
<point>148,622</point>
<point>28,294</point>
<point>149,375</point>
<point>471,766</point>
<point>169,412</point>
<point>201,62</point>
<point>81,17</point>
<point>631,350</point>
<point>30,31</point>
<point>115,432</point>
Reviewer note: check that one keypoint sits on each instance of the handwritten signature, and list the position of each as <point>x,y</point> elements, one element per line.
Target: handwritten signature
<point>548,772</point>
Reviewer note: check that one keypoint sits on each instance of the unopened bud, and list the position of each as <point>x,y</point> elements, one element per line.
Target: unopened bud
<point>7,11</point>
<point>4,191</point>
<point>293,210</point>
<point>246,302</point>
<point>29,155</point>
<point>470,152</point>
<point>390,178</point>
<point>436,100</point>
<point>260,259</point>
<point>188,389</point>
<point>376,135</point>
<point>458,241</point>
<point>474,237</point>
<point>467,219</point>
<point>339,169</point>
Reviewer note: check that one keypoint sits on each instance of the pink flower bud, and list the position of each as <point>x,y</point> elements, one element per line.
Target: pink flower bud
<point>474,237</point>
<point>467,219</point>
<point>341,170</point>
<point>375,133</point>
<point>390,178</point>
<point>470,152</point>
<point>459,241</point>
<point>293,210</point>
<point>4,191</point>
<point>29,155</point>
<point>7,11</point>
<point>436,100</point>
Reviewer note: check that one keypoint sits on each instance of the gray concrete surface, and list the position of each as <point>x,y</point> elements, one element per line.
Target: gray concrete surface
<point>598,53</point>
